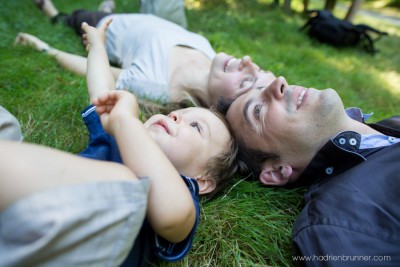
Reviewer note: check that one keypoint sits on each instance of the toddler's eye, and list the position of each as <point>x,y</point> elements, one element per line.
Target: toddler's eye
<point>257,110</point>
<point>196,125</point>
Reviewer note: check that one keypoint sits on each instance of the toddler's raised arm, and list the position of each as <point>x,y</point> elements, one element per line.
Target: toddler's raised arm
<point>98,76</point>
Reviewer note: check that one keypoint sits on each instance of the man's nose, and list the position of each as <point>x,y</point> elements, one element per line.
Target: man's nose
<point>276,89</point>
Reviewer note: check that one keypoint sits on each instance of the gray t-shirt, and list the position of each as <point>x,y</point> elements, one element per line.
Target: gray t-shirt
<point>140,45</point>
<point>10,129</point>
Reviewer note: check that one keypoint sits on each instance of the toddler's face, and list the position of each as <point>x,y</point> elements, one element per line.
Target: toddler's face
<point>189,137</point>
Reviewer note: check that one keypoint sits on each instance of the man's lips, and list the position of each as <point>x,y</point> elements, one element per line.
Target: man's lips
<point>300,97</point>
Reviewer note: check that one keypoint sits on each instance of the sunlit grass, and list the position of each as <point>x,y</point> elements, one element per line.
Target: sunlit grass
<point>249,225</point>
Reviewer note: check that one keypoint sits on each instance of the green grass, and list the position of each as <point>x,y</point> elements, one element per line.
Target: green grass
<point>248,225</point>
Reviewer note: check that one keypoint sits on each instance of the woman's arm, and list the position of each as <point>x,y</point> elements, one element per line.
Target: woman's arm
<point>76,64</point>
<point>71,62</point>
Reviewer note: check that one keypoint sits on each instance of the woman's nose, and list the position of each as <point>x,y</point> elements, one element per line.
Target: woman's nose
<point>247,63</point>
<point>244,62</point>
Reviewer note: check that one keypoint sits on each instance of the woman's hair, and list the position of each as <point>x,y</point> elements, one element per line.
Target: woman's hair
<point>223,166</point>
<point>196,98</point>
<point>148,107</point>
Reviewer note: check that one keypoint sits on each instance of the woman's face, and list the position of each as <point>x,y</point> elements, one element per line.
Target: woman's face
<point>231,77</point>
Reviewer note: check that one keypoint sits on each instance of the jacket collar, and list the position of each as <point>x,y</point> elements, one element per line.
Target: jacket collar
<point>342,152</point>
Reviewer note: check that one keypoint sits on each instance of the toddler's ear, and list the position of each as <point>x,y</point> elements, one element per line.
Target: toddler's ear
<point>275,175</point>
<point>206,184</point>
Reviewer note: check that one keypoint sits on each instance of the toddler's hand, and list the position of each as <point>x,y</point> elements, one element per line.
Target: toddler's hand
<point>93,36</point>
<point>114,105</point>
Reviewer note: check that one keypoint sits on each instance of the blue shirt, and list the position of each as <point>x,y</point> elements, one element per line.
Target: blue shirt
<point>103,146</point>
<point>369,141</point>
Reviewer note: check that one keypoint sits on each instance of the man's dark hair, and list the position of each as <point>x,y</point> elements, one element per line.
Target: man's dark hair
<point>251,160</point>
<point>224,104</point>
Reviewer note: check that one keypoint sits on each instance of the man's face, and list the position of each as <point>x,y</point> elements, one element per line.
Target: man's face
<point>189,137</point>
<point>231,77</point>
<point>292,122</point>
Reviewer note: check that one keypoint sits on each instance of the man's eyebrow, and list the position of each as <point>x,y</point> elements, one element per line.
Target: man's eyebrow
<point>245,113</point>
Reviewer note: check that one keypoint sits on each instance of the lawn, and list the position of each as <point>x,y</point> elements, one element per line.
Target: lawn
<point>248,225</point>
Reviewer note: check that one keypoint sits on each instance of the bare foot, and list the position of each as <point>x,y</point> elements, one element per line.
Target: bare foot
<point>26,39</point>
<point>107,6</point>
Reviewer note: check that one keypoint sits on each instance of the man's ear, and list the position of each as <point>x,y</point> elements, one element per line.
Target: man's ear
<point>275,174</point>
<point>206,184</point>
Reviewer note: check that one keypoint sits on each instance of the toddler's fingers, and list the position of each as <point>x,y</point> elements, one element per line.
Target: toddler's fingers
<point>105,24</point>
<point>84,40</point>
<point>100,109</point>
<point>106,98</point>
<point>84,26</point>
<point>106,108</point>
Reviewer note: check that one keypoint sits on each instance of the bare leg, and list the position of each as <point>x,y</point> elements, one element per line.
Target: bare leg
<point>28,168</point>
<point>47,7</point>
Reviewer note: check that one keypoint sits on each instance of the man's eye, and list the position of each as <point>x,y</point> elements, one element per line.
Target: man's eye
<point>257,110</point>
<point>196,125</point>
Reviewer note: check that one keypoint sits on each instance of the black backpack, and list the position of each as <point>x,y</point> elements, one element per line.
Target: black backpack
<point>326,28</point>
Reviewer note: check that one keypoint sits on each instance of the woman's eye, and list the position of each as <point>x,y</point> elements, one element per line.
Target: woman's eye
<point>257,110</point>
<point>247,83</point>
<point>196,125</point>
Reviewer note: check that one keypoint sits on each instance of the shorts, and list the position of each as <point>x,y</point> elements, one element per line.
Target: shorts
<point>76,19</point>
<point>93,224</point>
